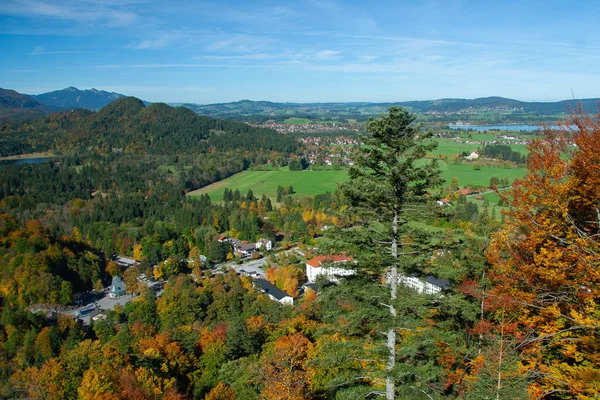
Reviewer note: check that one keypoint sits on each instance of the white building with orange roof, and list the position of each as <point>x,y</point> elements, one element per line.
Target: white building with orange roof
<point>325,265</point>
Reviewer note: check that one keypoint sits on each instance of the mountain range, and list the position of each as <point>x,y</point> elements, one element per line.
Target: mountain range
<point>14,105</point>
<point>442,108</point>
<point>72,97</point>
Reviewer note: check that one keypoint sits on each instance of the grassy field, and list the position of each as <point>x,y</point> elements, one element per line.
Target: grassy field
<point>449,147</point>
<point>310,183</point>
<point>305,183</point>
<point>297,121</point>
<point>466,175</point>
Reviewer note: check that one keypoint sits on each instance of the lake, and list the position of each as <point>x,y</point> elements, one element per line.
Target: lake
<point>481,128</point>
<point>25,161</point>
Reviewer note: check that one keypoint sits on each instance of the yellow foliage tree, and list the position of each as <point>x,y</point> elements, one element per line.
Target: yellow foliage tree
<point>545,261</point>
<point>221,392</point>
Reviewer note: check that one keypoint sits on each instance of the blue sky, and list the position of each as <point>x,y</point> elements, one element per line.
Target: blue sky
<point>303,51</point>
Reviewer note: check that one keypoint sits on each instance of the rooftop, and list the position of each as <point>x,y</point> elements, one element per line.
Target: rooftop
<point>439,282</point>
<point>317,261</point>
<point>271,289</point>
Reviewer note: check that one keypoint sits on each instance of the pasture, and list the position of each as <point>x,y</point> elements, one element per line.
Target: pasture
<point>466,175</point>
<point>310,183</point>
<point>305,183</point>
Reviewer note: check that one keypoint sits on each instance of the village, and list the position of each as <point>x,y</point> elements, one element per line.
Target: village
<point>311,127</point>
<point>249,262</point>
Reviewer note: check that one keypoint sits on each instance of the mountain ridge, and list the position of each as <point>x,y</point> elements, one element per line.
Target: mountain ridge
<point>127,125</point>
<point>71,97</point>
<point>257,110</point>
<point>18,106</point>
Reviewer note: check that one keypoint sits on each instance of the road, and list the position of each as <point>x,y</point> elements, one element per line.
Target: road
<point>107,303</point>
<point>251,267</point>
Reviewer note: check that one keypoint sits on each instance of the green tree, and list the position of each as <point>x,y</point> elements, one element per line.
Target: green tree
<point>494,182</point>
<point>454,184</point>
<point>390,176</point>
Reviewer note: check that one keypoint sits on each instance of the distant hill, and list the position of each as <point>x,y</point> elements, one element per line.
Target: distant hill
<point>263,110</point>
<point>542,108</point>
<point>17,106</point>
<point>72,97</point>
<point>127,125</point>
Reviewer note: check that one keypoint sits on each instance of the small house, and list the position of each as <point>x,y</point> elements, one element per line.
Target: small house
<point>264,244</point>
<point>125,262</point>
<point>117,287</point>
<point>245,249</point>
<point>273,291</point>
<point>473,156</point>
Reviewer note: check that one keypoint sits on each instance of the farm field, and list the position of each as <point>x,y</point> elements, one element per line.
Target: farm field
<point>297,121</point>
<point>305,183</point>
<point>449,148</point>
<point>310,183</point>
<point>466,175</point>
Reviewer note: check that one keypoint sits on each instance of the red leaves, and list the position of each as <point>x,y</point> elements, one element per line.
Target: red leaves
<point>544,263</point>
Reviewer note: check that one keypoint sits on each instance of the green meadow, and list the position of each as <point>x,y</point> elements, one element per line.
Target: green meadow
<point>466,175</point>
<point>297,121</point>
<point>305,183</point>
<point>310,183</point>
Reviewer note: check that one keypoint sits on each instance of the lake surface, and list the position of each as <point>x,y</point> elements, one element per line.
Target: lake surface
<point>25,161</point>
<point>482,128</point>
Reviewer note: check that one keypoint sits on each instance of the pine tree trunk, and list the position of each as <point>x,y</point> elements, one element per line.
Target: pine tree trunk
<point>391,336</point>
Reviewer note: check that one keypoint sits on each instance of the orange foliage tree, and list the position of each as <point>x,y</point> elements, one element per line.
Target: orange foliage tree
<point>283,369</point>
<point>286,278</point>
<point>546,261</point>
<point>221,392</point>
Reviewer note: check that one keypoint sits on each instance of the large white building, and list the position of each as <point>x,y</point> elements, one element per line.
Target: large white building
<point>428,284</point>
<point>315,268</point>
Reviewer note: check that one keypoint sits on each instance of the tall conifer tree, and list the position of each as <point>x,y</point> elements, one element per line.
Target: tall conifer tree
<point>389,180</point>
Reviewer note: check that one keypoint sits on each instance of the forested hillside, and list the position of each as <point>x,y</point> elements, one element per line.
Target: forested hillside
<point>15,106</point>
<point>127,125</point>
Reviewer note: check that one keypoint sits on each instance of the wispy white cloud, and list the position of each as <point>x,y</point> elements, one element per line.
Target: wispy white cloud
<point>367,58</point>
<point>149,89</point>
<point>109,13</point>
<point>20,70</point>
<point>242,43</point>
<point>327,55</point>
<point>174,65</point>
<point>156,43</point>
<point>257,56</point>
<point>40,51</point>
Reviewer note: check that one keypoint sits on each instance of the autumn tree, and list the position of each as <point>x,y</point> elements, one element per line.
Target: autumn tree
<point>545,261</point>
<point>283,369</point>
<point>286,278</point>
<point>221,392</point>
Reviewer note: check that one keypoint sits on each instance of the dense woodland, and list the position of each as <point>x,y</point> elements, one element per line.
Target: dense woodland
<point>126,125</point>
<point>520,319</point>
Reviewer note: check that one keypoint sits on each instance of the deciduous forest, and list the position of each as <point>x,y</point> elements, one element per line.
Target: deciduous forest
<point>517,316</point>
